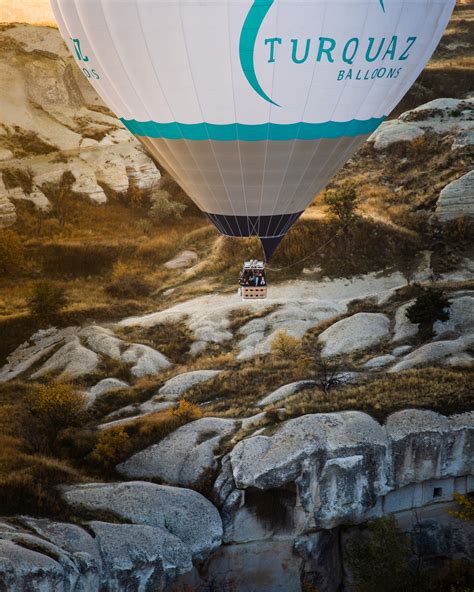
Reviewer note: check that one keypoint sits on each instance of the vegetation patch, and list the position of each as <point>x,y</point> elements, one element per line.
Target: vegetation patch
<point>443,390</point>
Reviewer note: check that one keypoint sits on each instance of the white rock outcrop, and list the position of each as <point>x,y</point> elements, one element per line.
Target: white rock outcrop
<point>185,457</point>
<point>357,332</point>
<point>340,465</point>
<point>71,361</point>
<point>145,360</point>
<point>175,387</point>
<point>7,212</point>
<point>461,317</point>
<point>105,386</point>
<point>457,198</point>
<point>183,513</point>
<point>441,116</point>
<point>284,392</point>
<point>182,259</point>
<point>404,329</point>
<point>434,353</point>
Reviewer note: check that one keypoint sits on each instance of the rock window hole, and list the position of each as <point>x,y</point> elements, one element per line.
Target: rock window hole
<point>437,492</point>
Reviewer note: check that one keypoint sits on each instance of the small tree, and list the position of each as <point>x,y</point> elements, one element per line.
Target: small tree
<point>466,507</point>
<point>113,446</point>
<point>285,346</point>
<point>379,558</point>
<point>187,411</point>
<point>430,305</point>
<point>163,207</point>
<point>55,407</point>
<point>47,300</point>
<point>341,203</point>
<point>62,199</point>
<point>328,372</point>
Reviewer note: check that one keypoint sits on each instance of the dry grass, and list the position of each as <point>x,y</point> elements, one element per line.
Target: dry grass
<point>442,390</point>
<point>173,339</point>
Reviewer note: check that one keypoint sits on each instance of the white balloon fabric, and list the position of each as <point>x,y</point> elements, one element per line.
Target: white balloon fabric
<point>252,105</point>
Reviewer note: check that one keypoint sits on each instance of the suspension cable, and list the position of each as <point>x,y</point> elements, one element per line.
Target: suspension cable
<point>313,252</point>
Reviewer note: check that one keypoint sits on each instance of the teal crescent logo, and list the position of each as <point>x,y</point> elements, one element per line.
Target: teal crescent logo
<point>248,37</point>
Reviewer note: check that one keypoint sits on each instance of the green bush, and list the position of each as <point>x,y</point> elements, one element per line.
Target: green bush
<point>47,300</point>
<point>430,305</point>
<point>163,207</point>
<point>379,558</point>
<point>341,203</point>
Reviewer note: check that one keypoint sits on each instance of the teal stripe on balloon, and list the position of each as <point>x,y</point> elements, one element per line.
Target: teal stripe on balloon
<point>252,133</point>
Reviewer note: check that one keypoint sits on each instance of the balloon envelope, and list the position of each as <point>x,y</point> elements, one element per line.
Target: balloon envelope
<point>252,105</point>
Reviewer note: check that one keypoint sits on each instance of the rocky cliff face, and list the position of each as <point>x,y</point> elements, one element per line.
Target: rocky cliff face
<point>282,499</point>
<point>52,121</point>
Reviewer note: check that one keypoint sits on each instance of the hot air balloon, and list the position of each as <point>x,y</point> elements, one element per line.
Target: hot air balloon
<point>252,105</point>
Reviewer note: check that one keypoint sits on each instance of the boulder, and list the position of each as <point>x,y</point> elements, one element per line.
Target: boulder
<point>186,457</point>
<point>457,198</point>
<point>36,197</point>
<point>463,140</point>
<point>183,259</point>
<point>24,569</point>
<point>146,360</point>
<point>339,459</point>
<point>105,386</point>
<point>40,345</point>
<point>284,392</point>
<point>78,543</point>
<point>426,445</point>
<point>393,131</point>
<point>433,353</point>
<point>401,350</point>
<point>294,320</point>
<point>175,387</point>
<point>379,362</point>
<point>71,361</point>
<point>440,116</point>
<point>102,341</point>
<point>113,174</point>
<point>461,317</point>
<point>354,333</point>
<point>87,185</point>
<point>136,553</point>
<point>141,169</point>
<point>7,212</point>
<point>404,329</point>
<point>182,512</point>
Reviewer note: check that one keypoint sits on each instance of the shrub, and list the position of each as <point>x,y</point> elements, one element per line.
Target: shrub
<point>430,305</point>
<point>163,207</point>
<point>379,558</point>
<point>285,346</point>
<point>466,507</point>
<point>47,300</point>
<point>187,411</point>
<point>129,284</point>
<point>18,178</point>
<point>30,487</point>
<point>60,195</point>
<point>12,258</point>
<point>52,409</point>
<point>341,203</point>
<point>113,446</point>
